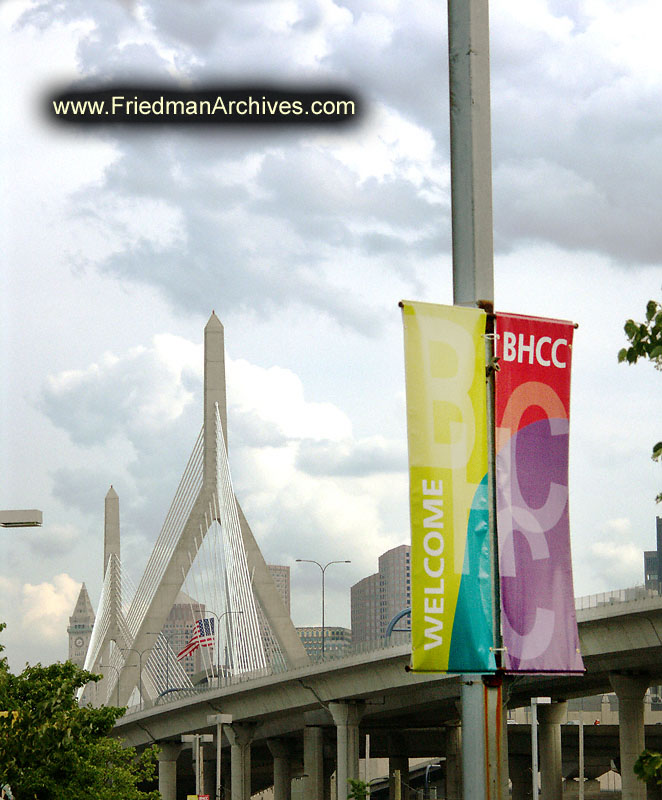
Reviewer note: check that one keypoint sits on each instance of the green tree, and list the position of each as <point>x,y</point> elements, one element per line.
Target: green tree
<point>358,790</point>
<point>648,767</point>
<point>646,342</point>
<point>52,749</point>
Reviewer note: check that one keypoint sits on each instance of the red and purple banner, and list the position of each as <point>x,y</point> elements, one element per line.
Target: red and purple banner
<point>532,418</point>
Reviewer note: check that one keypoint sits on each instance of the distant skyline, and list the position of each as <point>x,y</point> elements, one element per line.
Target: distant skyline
<point>117,246</point>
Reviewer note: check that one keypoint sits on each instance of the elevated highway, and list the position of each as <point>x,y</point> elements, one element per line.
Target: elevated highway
<point>320,713</point>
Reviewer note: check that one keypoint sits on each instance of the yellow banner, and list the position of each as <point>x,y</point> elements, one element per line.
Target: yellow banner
<point>447,435</point>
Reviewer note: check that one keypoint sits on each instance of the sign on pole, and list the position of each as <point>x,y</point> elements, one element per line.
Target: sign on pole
<point>532,406</point>
<point>452,625</point>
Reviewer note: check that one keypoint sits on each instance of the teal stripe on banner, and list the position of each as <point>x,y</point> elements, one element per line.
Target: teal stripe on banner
<point>472,629</point>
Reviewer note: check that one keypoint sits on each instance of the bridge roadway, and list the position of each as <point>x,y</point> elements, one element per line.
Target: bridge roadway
<point>309,720</point>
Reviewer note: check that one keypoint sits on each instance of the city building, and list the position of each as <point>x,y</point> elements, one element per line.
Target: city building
<point>80,627</point>
<point>281,577</point>
<point>337,641</point>
<point>178,629</point>
<point>365,609</point>
<point>652,562</point>
<point>377,599</point>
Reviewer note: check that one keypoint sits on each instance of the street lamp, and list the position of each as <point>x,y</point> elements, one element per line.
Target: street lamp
<point>141,653</point>
<point>25,518</point>
<point>323,569</point>
<point>218,638</point>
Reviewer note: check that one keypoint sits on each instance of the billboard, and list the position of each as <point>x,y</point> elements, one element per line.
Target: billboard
<point>532,411</point>
<point>451,561</point>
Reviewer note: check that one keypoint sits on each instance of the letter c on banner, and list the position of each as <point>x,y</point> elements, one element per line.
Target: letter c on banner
<point>526,395</point>
<point>532,532</point>
<point>544,362</point>
<point>533,643</point>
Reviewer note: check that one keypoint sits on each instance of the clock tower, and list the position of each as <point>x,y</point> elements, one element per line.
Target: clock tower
<point>80,627</point>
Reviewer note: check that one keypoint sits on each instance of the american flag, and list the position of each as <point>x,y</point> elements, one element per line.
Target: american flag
<point>202,636</point>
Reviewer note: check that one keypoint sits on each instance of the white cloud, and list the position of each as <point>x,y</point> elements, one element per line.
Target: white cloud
<point>275,397</point>
<point>47,606</point>
<point>142,391</point>
<point>618,527</point>
<point>616,559</point>
<point>37,616</point>
<point>348,457</point>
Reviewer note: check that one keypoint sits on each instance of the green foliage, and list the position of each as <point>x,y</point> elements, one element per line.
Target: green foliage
<point>646,342</point>
<point>648,767</point>
<point>52,749</point>
<point>358,790</point>
<point>645,337</point>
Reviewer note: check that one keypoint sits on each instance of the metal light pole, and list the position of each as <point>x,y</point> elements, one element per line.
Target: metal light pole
<point>219,720</point>
<point>323,569</point>
<point>534,748</point>
<point>140,668</point>
<point>218,638</point>
<point>581,752</point>
<point>471,151</point>
<point>197,740</point>
<point>473,282</point>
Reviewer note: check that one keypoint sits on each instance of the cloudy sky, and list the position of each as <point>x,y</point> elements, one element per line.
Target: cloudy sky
<point>117,245</point>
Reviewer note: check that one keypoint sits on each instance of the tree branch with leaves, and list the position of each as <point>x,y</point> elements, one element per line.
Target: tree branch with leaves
<point>645,340</point>
<point>52,749</point>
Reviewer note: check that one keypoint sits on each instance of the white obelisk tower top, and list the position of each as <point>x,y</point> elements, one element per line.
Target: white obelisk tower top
<point>111,528</point>
<point>214,391</point>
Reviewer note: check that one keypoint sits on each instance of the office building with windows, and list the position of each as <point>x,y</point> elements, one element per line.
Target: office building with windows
<point>337,641</point>
<point>178,630</point>
<point>652,562</point>
<point>377,599</point>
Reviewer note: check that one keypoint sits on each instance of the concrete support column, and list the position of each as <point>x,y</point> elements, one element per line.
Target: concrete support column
<point>398,761</point>
<point>520,775</point>
<point>313,760</point>
<point>549,737</point>
<point>329,770</point>
<point>240,735</point>
<point>280,750</point>
<point>346,716</point>
<point>630,692</point>
<point>208,755</point>
<point>167,759</point>
<point>453,762</point>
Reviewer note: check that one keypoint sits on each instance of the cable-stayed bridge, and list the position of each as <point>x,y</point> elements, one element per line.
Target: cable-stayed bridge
<point>307,720</point>
<point>205,547</point>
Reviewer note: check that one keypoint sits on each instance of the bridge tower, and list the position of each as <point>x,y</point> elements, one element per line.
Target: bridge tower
<point>202,491</point>
<point>112,562</point>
